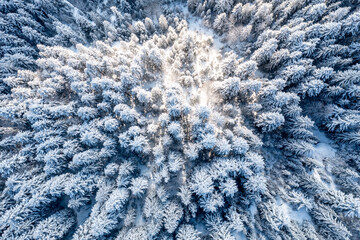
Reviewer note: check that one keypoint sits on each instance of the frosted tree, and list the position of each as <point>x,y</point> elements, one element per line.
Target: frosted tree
<point>142,123</point>
<point>263,54</point>
<point>223,6</point>
<point>163,23</point>
<point>187,232</point>
<point>236,13</point>
<point>48,227</point>
<point>269,121</point>
<point>172,215</point>
<point>221,23</point>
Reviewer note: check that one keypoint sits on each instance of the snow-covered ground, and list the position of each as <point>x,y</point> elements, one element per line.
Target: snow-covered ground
<point>240,236</point>
<point>325,154</point>
<point>195,24</point>
<point>323,149</point>
<point>290,213</point>
<point>83,213</point>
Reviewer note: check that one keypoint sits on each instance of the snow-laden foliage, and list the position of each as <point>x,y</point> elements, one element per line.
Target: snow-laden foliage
<point>25,24</point>
<point>119,121</point>
<point>163,120</point>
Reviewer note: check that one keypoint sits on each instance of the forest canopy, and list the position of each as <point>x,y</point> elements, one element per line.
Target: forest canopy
<point>186,120</point>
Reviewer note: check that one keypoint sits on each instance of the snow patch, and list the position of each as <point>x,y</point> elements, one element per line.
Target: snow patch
<point>83,213</point>
<point>195,24</point>
<point>204,94</point>
<point>299,215</point>
<point>289,213</point>
<point>321,136</point>
<point>201,228</point>
<point>253,209</point>
<point>239,236</point>
<point>139,220</point>
<point>325,155</point>
<point>324,150</point>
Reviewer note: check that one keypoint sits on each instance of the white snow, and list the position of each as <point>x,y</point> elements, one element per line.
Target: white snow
<point>253,209</point>
<point>325,154</point>
<point>204,94</point>
<point>299,215</point>
<point>317,175</point>
<point>200,227</point>
<point>323,149</point>
<point>290,214</point>
<point>321,136</point>
<point>83,213</point>
<point>139,220</point>
<point>239,236</point>
<point>195,24</point>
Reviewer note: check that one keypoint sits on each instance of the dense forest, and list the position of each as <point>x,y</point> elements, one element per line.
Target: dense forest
<point>184,120</point>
